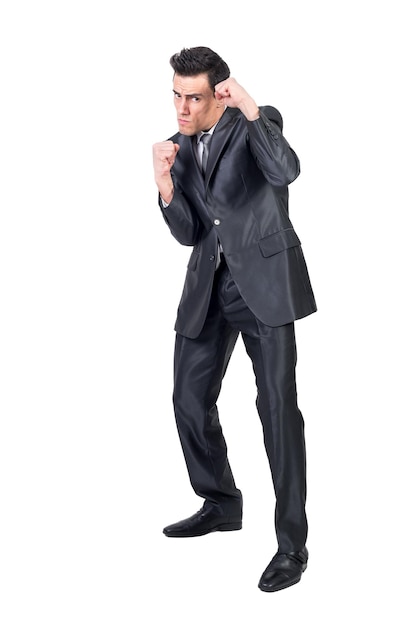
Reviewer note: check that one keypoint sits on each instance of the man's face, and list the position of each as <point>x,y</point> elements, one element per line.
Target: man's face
<point>196,106</point>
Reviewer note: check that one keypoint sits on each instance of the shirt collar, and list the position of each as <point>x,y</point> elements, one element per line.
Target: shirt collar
<point>207,132</point>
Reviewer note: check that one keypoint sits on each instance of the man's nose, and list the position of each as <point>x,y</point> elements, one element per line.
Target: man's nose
<point>183,106</point>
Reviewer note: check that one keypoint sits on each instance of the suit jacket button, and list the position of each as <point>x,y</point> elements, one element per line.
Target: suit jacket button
<point>212,257</point>
<point>216,222</point>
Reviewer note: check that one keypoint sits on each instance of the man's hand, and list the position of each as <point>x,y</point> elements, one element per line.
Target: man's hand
<point>235,96</point>
<point>164,154</point>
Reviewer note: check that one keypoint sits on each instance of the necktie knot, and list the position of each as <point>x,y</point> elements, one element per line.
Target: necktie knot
<point>205,138</point>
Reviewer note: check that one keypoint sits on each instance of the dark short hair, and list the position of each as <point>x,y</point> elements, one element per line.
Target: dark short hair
<point>200,60</point>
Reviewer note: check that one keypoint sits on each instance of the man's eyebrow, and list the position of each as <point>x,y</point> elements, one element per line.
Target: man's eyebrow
<point>190,95</point>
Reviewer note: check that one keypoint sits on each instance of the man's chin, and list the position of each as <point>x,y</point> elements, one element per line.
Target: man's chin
<point>185,131</point>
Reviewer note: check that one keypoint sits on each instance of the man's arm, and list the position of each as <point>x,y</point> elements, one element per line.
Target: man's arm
<point>182,221</point>
<point>276,159</point>
<point>274,156</point>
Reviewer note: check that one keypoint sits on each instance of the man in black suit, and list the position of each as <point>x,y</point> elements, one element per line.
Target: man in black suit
<point>223,189</point>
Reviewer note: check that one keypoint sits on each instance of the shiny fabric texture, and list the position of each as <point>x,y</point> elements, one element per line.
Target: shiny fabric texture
<point>199,366</point>
<point>242,205</point>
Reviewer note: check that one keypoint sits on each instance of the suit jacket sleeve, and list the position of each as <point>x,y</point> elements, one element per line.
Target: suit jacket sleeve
<point>274,156</point>
<point>182,220</point>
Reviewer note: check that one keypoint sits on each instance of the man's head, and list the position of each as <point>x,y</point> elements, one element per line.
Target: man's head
<point>194,61</point>
<point>196,72</point>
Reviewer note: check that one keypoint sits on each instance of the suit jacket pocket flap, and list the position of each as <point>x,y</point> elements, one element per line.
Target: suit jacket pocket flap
<point>277,242</point>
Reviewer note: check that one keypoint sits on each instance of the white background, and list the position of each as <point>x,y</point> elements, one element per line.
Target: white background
<point>91,467</point>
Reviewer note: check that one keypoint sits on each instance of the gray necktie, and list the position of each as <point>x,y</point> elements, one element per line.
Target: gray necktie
<point>205,139</point>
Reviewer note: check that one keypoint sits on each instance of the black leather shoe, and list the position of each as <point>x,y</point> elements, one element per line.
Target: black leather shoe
<point>205,521</point>
<point>284,570</point>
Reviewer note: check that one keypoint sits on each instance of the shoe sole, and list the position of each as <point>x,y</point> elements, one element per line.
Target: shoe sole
<point>222,528</point>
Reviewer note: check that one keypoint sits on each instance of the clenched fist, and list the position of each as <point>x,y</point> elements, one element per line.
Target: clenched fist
<point>233,95</point>
<point>164,155</point>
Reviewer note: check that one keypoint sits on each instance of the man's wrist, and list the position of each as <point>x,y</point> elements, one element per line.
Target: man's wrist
<point>167,197</point>
<point>250,110</point>
<point>166,189</point>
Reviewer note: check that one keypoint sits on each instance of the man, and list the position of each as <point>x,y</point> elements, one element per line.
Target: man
<point>246,275</point>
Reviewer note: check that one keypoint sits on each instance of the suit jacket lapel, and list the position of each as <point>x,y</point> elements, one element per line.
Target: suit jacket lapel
<point>188,153</point>
<point>219,139</point>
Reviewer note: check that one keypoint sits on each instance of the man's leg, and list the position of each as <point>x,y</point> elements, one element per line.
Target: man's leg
<point>199,367</point>
<point>273,354</point>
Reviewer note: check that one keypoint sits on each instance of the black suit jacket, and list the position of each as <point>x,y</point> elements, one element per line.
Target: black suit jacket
<point>243,204</point>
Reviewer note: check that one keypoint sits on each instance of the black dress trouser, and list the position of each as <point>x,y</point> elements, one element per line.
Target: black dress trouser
<point>199,367</point>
